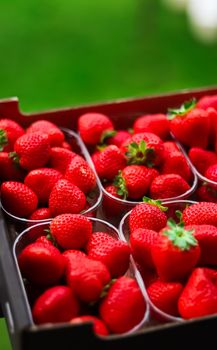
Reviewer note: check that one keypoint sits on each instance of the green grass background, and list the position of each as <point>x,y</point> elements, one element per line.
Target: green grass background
<point>59,53</point>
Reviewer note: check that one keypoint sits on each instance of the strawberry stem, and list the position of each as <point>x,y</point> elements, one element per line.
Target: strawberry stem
<point>157,203</point>
<point>120,184</point>
<point>185,108</point>
<point>3,139</point>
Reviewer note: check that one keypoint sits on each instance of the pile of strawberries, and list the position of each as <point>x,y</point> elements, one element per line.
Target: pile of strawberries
<point>177,260</point>
<point>76,274</point>
<point>40,173</point>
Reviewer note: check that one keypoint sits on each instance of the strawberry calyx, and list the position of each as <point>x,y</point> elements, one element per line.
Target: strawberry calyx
<point>50,237</point>
<point>157,203</point>
<point>139,153</point>
<point>14,156</point>
<point>106,135</point>
<point>107,287</point>
<point>3,139</point>
<point>185,108</point>
<point>120,184</point>
<point>179,236</point>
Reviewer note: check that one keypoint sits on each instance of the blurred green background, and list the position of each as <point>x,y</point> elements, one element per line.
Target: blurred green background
<point>59,53</point>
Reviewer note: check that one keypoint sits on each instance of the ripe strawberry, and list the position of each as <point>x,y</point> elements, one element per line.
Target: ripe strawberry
<point>44,240</point>
<point>124,306</point>
<point>10,131</point>
<point>207,101</point>
<point>41,264</point>
<point>206,193</point>
<point>66,198</point>
<point>9,170</point>
<point>93,126</point>
<point>66,145</point>
<point>81,174</point>
<point>85,276</point>
<point>60,158</point>
<point>115,254</point>
<point>39,215</point>
<point>202,213</point>
<point>170,146</point>
<point>165,295</point>
<point>168,186</point>
<point>211,174</point>
<point>119,137</point>
<point>41,181</point>
<point>155,123</point>
<point>98,325</point>
<point>108,162</point>
<point>110,205</point>
<point>149,215</point>
<point>176,163</point>
<point>175,252</point>
<point>134,180</point>
<point>18,199</point>
<point>56,304</point>
<point>141,242</point>
<point>145,148</point>
<point>55,135</point>
<point>188,122</point>
<point>202,159</point>
<point>199,297</point>
<point>32,151</point>
<point>71,231</point>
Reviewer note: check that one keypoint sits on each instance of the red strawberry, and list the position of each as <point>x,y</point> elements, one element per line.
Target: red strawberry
<point>56,304</point>
<point>212,113</point>
<point>211,174</point>
<point>32,150</point>
<point>10,131</point>
<point>134,181</point>
<point>168,186</point>
<point>38,216</point>
<point>66,145</point>
<point>202,159</point>
<point>176,163</point>
<point>165,295</point>
<point>207,101</point>
<point>124,306</point>
<point>41,264</point>
<point>60,158</point>
<point>85,276</point>
<point>66,198</point>
<point>81,174</point>
<point>205,193</point>
<point>18,199</point>
<point>149,215</point>
<point>156,123</point>
<point>188,122</point>
<point>71,231</point>
<point>199,297</point>
<point>9,170</point>
<point>98,325</point>
<point>108,162</point>
<point>41,181</point>
<point>175,252</point>
<point>202,213</point>
<point>115,254</point>
<point>110,205</point>
<point>141,242</point>
<point>170,146</point>
<point>119,137</point>
<point>55,135</point>
<point>92,127</point>
<point>44,240</point>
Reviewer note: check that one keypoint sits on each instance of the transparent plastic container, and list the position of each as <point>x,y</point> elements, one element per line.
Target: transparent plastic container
<point>30,234</point>
<point>156,315</point>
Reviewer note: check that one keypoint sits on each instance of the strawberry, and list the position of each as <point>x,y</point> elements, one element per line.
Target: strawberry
<point>134,180</point>
<point>199,297</point>
<point>41,181</point>
<point>149,216</point>
<point>108,162</point>
<point>98,325</point>
<point>165,295</point>
<point>157,124</point>
<point>145,148</point>
<point>32,151</point>
<point>66,198</point>
<point>18,199</point>
<point>207,101</point>
<point>44,240</point>
<point>141,242</point>
<point>212,113</point>
<point>81,174</point>
<point>175,252</point>
<point>66,145</point>
<point>124,306</point>
<point>60,158</point>
<point>119,137</point>
<point>55,135</point>
<point>10,131</point>
<point>202,213</point>
<point>211,174</point>
<point>93,126</point>
<point>206,193</point>
<point>9,170</point>
<point>167,186</point>
<point>188,122</point>
<point>56,304</point>
<point>39,215</point>
<point>86,277</point>
<point>170,146</point>
<point>202,159</point>
<point>115,254</point>
<point>110,205</point>
<point>71,231</point>
<point>41,264</point>
<point>176,163</point>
